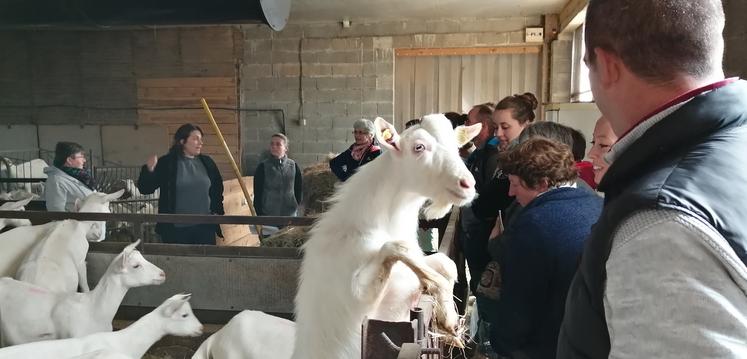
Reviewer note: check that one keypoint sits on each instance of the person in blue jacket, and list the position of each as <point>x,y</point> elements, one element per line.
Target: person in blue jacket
<point>541,247</point>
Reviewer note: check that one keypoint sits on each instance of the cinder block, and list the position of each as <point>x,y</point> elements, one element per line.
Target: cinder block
<point>377,95</point>
<point>256,31</point>
<point>345,44</point>
<point>317,147</point>
<point>384,55</point>
<point>317,70</point>
<point>340,146</point>
<point>332,109</point>
<point>255,70</point>
<point>443,26</point>
<point>280,57</point>
<point>285,44</point>
<point>290,31</point>
<point>331,83</point>
<point>346,69</point>
<point>504,24</point>
<point>516,37</point>
<point>354,82</point>
<point>402,41</point>
<point>491,39</point>
<point>347,56</point>
<point>283,70</point>
<point>368,108</point>
<point>385,82</point>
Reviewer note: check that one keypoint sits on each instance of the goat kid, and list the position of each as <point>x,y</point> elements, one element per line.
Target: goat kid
<point>359,257</point>
<point>14,206</point>
<point>250,335</point>
<point>57,261</point>
<point>173,317</point>
<point>31,313</point>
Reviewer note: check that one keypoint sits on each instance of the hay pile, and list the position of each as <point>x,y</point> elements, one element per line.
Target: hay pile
<point>288,237</point>
<point>318,185</point>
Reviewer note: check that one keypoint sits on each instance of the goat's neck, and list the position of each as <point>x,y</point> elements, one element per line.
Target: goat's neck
<point>107,296</point>
<point>141,335</point>
<point>386,202</point>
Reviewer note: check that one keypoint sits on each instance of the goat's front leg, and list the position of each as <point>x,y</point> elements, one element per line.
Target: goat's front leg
<point>83,277</point>
<point>370,279</point>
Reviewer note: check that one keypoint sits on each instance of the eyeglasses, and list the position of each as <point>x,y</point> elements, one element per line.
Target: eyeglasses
<point>357,132</point>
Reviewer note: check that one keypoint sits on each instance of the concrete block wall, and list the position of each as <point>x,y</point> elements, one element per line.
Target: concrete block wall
<point>323,73</point>
<point>331,76</point>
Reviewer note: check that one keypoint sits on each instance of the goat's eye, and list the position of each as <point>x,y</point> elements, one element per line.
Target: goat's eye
<point>419,147</point>
<point>185,315</point>
<point>136,266</point>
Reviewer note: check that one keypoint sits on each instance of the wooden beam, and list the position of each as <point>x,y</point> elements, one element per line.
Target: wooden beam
<point>573,14</point>
<point>460,51</point>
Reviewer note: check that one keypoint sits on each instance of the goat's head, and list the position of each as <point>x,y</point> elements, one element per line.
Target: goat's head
<point>96,202</point>
<point>15,206</point>
<point>136,271</point>
<point>426,157</point>
<point>177,317</point>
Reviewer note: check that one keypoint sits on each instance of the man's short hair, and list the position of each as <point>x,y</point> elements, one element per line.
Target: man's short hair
<point>658,40</point>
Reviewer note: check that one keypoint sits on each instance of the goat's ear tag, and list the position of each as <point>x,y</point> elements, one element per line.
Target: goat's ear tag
<point>386,135</point>
<point>465,134</point>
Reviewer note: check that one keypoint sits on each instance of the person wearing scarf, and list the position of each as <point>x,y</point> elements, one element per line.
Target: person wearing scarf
<point>364,150</point>
<point>67,180</point>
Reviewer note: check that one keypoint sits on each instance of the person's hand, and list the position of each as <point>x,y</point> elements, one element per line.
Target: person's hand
<point>497,228</point>
<point>151,164</point>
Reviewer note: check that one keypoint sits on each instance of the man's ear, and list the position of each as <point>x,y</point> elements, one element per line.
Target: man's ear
<point>386,135</point>
<point>608,67</point>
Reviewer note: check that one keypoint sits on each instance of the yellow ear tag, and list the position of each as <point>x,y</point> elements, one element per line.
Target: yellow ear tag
<point>386,134</point>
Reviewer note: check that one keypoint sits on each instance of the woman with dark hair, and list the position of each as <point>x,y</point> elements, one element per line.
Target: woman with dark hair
<point>511,115</point>
<point>541,247</point>
<point>190,183</point>
<point>67,180</point>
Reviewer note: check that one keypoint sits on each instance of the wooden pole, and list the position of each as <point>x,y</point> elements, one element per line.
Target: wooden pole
<point>233,163</point>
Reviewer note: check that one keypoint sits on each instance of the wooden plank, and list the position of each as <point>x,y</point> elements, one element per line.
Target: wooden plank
<point>461,51</point>
<point>572,15</point>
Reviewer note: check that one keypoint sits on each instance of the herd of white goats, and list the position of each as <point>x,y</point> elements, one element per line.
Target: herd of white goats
<point>362,261</point>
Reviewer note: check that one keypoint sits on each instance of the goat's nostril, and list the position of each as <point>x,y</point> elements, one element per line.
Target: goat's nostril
<point>466,183</point>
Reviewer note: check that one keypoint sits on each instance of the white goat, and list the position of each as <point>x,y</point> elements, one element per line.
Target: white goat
<point>256,335</point>
<point>364,244</point>
<point>31,313</point>
<point>173,317</point>
<point>250,335</point>
<point>31,169</point>
<point>57,261</point>
<point>14,206</point>
<point>102,354</point>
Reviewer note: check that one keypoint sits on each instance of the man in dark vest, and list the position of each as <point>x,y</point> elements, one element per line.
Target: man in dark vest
<point>663,272</point>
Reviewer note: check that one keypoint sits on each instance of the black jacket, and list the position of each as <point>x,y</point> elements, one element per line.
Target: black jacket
<point>164,177</point>
<point>691,161</point>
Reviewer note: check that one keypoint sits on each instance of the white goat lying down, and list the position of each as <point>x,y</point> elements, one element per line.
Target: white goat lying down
<point>57,260</point>
<point>256,335</point>
<point>30,313</point>
<point>250,335</point>
<point>173,317</point>
<point>14,206</point>
<point>366,244</point>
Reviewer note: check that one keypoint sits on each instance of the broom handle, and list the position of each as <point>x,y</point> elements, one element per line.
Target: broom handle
<point>236,170</point>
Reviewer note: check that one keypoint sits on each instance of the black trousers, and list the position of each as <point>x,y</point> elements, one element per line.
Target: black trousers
<point>197,234</point>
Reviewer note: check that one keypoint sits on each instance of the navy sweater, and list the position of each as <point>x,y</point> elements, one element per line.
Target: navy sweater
<point>537,265</point>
